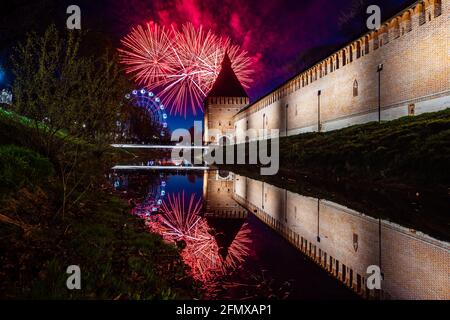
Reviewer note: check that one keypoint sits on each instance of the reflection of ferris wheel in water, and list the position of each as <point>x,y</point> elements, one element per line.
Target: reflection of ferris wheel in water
<point>152,104</point>
<point>153,200</point>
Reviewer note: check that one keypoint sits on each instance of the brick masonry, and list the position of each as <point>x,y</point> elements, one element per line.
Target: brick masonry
<point>414,48</point>
<point>219,112</point>
<point>345,242</point>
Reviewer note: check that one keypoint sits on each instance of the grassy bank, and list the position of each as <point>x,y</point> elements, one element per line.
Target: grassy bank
<point>118,257</point>
<point>408,151</point>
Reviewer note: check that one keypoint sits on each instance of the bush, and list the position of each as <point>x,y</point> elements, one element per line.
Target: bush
<point>21,167</point>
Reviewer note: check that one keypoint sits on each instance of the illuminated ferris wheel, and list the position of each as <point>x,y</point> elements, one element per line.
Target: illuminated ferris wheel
<point>152,105</point>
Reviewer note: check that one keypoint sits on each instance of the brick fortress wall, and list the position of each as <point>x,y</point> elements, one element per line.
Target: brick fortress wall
<point>414,49</point>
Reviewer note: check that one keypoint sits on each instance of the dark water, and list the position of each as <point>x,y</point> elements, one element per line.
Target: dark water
<point>245,239</point>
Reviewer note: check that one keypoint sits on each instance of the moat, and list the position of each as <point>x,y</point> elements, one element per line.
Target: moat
<point>246,239</point>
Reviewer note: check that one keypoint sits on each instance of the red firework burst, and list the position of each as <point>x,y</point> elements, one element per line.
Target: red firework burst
<point>145,57</point>
<point>181,64</point>
<point>180,221</point>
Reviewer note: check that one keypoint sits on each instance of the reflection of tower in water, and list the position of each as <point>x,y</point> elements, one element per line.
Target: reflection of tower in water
<point>212,246</point>
<point>225,217</point>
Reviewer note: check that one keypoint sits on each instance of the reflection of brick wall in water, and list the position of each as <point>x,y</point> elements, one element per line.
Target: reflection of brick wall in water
<point>345,242</point>
<point>414,48</point>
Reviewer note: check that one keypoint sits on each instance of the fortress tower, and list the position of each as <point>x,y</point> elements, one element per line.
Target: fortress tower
<point>226,98</point>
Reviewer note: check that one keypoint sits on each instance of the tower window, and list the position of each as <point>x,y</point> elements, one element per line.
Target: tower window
<point>437,8</point>
<point>355,242</point>
<point>355,88</point>
<point>421,10</point>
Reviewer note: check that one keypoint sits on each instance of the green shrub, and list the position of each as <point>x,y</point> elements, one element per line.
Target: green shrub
<point>414,148</point>
<point>21,167</point>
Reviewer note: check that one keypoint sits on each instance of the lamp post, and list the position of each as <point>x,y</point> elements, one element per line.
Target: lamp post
<point>318,220</point>
<point>262,195</point>
<point>379,69</point>
<point>264,126</point>
<point>286,119</point>
<point>379,242</point>
<point>379,249</point>
<point>319,93</point>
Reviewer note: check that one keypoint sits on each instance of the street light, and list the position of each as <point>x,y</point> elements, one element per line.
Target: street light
<point>264,126</point>
<point>379,69</point>
<point>286,119</point>
<point>318,220</point>
<point>319,93</point>
<point>380,248</point>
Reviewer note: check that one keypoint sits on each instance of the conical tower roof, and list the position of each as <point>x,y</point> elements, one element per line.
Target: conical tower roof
<point>224,231</point>
<point>227,84</point>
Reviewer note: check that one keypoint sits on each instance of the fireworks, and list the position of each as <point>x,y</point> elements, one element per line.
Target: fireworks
<point>181,64</point>
<point>180,221</point>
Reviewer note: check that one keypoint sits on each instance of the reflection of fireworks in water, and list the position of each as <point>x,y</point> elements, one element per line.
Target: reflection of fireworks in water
<point>181,64</point>
<point>181,223</point>
<point>177,222</point>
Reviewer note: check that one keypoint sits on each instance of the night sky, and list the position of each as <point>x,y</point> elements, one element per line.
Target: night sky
<point>284,37</point>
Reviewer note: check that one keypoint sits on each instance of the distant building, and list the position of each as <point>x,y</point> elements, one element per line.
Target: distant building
<point>6,97</point>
